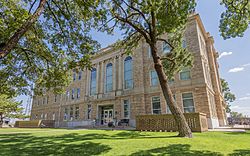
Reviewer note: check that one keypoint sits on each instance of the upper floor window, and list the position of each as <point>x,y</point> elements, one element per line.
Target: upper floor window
<point>149,52</point>
<point>73,94</point>
<point>74,75</point>
<point>153,78</point>
<point>109,74</point>
<point>166,48</point>
<point>93,82</point>
<point>156,105</point>
<point>185,74</point>
<point>188,102</point>
<point>55,98</point>
<point>78,93</point>
<point>128,73</point>
<point>184,43</point>
<point>79,75</point>
<point>126,108</point>
<point>67,95</point>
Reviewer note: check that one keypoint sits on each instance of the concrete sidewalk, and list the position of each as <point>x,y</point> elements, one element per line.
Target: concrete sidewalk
<point>227,129</point>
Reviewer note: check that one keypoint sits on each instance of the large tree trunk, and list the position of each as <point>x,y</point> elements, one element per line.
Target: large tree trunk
<point>183,128</point>
<point>1,120</point>
<point>6,47</point>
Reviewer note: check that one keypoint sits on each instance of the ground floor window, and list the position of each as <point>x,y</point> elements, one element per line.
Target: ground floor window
<point>71,112</point>
<point>77,112</point>
<point>66,114</point>
<point>156,105</point>
<point>53,116</point>
<point>126,108</point>
<point>89,112</point>
<point>188,102</point>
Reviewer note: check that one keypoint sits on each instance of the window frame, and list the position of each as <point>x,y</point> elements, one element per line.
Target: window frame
<point>131,80</point>
<point>188,99</point>
<point>107,77</point>
<point>153,106</point>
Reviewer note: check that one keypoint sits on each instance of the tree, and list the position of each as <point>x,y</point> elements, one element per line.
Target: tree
<point>227,94</point>
<point>9,108</point>
<point>236,18</point>
<point>149,21</point>
<point>41,41</point>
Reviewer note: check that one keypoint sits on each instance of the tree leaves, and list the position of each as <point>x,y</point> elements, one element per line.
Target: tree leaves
<point>236,19</point>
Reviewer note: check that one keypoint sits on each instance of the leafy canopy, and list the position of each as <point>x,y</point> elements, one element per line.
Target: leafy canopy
<point>228,95</point>
<point>57,42</point>
<point>9,108</point>
<point>135,19</point>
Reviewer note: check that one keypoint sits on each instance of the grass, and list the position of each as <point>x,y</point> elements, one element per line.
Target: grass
<point>18,142</point>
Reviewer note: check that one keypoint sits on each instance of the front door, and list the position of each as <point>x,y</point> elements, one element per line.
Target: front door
<point>107,116</point>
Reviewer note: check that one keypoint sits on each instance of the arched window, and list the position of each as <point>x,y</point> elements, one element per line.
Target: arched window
<point>109,75</point>
<point>128,73</point>
<point>93,82</point>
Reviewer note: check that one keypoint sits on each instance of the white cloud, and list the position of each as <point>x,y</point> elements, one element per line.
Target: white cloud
<point>225,54</point>
<point>248,94</point>
<point>237,69</point>
<point>245,65</point>
<point>245,98</point>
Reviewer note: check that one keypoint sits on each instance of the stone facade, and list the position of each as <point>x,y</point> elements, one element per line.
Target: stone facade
<point>80,109</point>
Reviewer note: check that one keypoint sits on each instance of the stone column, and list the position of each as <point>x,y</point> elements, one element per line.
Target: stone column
<point>120,78</point>
<point>101,80</point>
<point>114,74</point>
<point>87,82</point>
<point>97,78</point>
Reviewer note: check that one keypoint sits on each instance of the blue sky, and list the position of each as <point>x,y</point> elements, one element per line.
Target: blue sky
<point>235,54</point>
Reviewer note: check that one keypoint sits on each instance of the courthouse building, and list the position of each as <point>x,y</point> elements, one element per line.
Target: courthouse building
<point>121,86</point>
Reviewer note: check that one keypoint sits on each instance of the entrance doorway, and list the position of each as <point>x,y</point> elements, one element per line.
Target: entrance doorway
<point>107,114</point>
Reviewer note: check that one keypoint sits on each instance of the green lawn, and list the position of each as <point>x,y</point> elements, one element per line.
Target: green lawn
<point>45,142</point>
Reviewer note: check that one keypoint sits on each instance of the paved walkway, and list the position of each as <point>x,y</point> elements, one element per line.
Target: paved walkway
<point>227,129</point>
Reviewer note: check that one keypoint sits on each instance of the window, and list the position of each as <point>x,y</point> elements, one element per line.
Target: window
<point>36,116</point>
<point>156,104</point>
<point>154,78</point>
<point>54,116</point>
<point>74,75</point>
<point>89,112</point>
<point>77,112</point>
<point>149,52</point>
<point>171,81</point>
<point>168,109</point>
<point>128,77</point>
<point>188,102</point>
<point>73,94</point>
<point>166,48</point>
<point>185,74</point>
<point>45,116</point>
<point>42,116</point>
<point>93,82</point>
<point>55,99</point>
<point>109,81</point>
<point>66,111</point>
<point>184,43</point>
<point>126,108</point>
<point>80,75</point>
<point>67,95</point>
<point>71,113</point>
<point>44,99</point>
<point>78,93</point>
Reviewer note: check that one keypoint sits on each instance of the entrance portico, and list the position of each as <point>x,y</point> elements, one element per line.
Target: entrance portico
<point>105,114</point>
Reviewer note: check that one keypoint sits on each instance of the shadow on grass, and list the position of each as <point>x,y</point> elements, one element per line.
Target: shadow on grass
<point>175,150</point>
<point>241,152</point>
<point>70,144</point>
